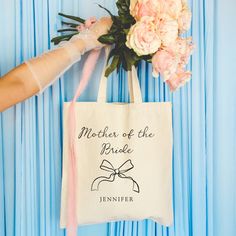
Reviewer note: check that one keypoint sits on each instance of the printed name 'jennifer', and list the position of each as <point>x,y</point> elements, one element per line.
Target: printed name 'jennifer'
<point>89,133</point>
<point>116,199</point>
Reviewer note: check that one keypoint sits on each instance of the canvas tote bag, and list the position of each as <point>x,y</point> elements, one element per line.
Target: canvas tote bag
<point>122,165</point>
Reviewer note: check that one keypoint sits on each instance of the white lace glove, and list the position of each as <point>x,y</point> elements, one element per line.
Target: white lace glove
<point>48,67</point>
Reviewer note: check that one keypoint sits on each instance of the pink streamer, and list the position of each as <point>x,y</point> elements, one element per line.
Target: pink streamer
<point>72,183</point>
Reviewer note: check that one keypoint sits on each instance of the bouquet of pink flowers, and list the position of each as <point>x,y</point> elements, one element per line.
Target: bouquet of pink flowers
<point>149,30</point>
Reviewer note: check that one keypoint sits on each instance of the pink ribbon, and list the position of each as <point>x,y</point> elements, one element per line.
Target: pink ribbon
<point>72,162</point>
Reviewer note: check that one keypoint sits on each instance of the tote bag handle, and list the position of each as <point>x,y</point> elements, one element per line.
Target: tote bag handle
<point>133,84</point>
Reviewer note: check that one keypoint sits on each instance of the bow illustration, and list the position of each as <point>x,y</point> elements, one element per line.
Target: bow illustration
<point>107,166</point>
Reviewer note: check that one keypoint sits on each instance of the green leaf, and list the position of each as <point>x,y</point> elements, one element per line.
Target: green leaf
<point>107,39</point>
<point>124,13</point>
<point>126,21</point>
<point>58,39</point>
<point>129,59</point>
<point>146,58</point>
<point>113,65</point>
<point>73,25</point>
<point>118,66</point>
<point>112,16</point>
<point>72,17</point>
<point>66,30</point>
<point>122,7</point>
<point>126,31</point>
<point>104,8</point>
<point>127,2</point>
<point>113,52</point>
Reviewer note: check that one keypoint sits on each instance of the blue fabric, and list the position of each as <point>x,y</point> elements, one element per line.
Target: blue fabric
<point>204,121</point>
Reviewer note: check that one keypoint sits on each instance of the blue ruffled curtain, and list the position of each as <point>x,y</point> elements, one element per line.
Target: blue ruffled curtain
<point>204,121</point>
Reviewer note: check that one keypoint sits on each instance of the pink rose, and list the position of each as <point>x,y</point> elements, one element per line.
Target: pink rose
<point>141,8</point>
<point>179,79</point>
<point>184,20</point>
<point>165,63</point>
<point>168,29</point>
<point>143,37</point>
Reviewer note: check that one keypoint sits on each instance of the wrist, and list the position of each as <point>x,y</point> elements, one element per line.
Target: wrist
<point>88,39</point>
<point>80,45</point>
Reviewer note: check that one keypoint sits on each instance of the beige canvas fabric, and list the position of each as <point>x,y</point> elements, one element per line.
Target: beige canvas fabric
<point>124,159</point>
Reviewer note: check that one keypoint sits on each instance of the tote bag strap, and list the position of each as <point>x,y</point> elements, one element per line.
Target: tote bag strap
<point>134,87</point>
<point>133,84</point>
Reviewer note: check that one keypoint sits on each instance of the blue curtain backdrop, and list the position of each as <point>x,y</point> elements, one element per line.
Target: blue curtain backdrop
<point>204,121</point>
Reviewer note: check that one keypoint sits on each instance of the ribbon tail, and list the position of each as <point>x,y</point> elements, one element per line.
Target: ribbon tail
<point>72,182</point>
<point>72,230</point>
<point>89,66</point>
<point>96,183</point>
<point>135,184</point>
<point>72,178</point>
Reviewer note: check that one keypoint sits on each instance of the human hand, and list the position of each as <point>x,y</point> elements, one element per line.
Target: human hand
<point>90,32</point>
<point>102,26</point>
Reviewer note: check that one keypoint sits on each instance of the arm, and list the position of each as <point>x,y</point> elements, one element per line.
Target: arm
<point>20,84</point>
<point>29,78</point>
